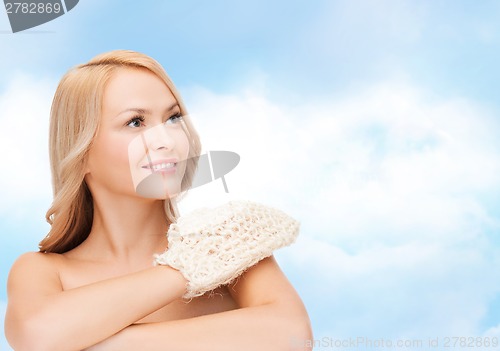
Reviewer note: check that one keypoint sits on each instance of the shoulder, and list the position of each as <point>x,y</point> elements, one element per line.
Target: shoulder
<point>33,260</point>
<point>34,267</point>
<point>262,284</point>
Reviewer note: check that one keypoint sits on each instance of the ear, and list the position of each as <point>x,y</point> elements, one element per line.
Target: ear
<point>86,167</point>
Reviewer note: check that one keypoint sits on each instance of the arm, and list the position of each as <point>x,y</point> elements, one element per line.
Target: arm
<point>41,316</point>
<point>271,317</point>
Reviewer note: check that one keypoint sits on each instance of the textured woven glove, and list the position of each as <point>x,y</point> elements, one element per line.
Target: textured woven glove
<point>213,246</point>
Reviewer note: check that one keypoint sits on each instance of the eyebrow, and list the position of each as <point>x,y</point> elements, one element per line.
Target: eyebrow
<point>146,111</point>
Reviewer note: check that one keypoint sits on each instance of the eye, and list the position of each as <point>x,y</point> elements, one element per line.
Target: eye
<point>174,119</point>
<point>135,122</point>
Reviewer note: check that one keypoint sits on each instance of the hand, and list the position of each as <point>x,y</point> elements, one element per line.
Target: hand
<point>212,247</point>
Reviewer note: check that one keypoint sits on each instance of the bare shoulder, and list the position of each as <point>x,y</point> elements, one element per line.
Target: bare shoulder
<point>35,270</point>
<point>262,284</point>
<point>35,260</point>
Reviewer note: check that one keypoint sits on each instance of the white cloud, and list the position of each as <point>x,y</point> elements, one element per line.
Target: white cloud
<point>386,159</point>
<point>247,125</point>
<point>393,189</point>
<point>24,170</point>
<point>493,332</point>
<point>412,290</point>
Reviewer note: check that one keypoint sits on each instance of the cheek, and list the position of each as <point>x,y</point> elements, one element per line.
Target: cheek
<point>181,150</point>
<point>182,144</point>
<point>136,151</point>
<point>182,147</point>
<point>117,154</point>
<point>109,157</point>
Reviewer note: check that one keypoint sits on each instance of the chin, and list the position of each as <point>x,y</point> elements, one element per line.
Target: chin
<point>156,186</point>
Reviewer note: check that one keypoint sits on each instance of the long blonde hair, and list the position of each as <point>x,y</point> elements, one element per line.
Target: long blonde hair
<point>74,122</point>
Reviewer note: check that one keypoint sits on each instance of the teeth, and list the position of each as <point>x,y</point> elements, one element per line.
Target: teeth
<point>163,166</point>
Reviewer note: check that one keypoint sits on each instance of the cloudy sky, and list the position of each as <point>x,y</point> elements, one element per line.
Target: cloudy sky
<point>375,123</point>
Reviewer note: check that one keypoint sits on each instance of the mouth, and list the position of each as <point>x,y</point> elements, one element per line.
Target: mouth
<point>162,166</point>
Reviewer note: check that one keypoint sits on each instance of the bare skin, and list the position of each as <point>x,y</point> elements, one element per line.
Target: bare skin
<point>106,295</point>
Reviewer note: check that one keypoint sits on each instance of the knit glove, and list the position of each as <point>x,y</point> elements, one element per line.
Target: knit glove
<point>213,246</point>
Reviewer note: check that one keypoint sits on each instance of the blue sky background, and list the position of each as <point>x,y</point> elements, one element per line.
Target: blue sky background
<point>375,123</point>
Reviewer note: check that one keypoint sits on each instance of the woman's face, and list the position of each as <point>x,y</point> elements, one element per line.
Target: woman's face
<point>141,147</point>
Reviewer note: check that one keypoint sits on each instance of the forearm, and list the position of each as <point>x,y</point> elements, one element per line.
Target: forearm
<point>267,327</point>
<point>77,318</point>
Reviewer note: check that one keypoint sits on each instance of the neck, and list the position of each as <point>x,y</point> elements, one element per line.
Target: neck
<point>127,229</point>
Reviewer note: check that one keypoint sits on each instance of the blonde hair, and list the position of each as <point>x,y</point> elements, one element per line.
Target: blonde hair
<point>74,122</point>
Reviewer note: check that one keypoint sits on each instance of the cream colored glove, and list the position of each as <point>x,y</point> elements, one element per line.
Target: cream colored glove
<point>213,246</point>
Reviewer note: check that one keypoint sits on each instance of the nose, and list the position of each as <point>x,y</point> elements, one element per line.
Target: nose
<point>158,138</point>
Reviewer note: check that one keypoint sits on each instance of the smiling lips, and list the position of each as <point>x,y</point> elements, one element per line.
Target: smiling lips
<point>164,166</point>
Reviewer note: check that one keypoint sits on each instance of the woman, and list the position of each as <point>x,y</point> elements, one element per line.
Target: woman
<point>115,122</point>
